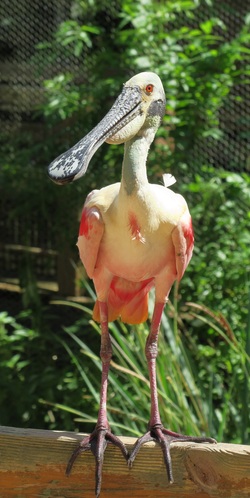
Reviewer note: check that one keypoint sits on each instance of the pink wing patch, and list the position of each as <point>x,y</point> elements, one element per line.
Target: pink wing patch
<point>85,223</point>
<point>183,240</point>
<point>135,228</point>
<point>90,235</point>
<point>189,236</point>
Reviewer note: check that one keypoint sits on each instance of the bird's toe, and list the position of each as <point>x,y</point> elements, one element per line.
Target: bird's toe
<point>164,437</point>
<point>97,443</point>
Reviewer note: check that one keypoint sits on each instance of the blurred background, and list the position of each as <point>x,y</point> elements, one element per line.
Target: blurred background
<point>62,64</point>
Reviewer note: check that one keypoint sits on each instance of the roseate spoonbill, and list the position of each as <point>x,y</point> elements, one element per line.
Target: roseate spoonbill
<point>133,236</point>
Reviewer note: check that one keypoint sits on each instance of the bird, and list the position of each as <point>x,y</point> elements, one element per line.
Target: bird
<point>133,236</point>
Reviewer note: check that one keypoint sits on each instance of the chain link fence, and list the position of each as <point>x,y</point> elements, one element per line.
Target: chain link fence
<point>25,24</point>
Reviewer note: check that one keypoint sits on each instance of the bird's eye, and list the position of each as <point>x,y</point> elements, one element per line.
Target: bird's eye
<point>149,88</point>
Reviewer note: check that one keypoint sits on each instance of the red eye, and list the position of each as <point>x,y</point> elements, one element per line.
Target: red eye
<point>149,88</point>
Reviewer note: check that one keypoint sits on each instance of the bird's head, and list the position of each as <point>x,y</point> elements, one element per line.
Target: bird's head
<point>145,100</point>
<point>140,107</point>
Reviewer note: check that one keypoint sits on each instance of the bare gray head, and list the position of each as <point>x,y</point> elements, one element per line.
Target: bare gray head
<point>140,105</point>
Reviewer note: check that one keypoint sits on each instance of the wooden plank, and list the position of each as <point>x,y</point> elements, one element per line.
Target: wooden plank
<point>12,285</point>
<point>30,249</point>
<point>33,465</point>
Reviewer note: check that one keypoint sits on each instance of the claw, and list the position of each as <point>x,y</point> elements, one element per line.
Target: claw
<point>83,446</point>
<point>164,437</point>
<point>146,438</point>
<point>97,443</point>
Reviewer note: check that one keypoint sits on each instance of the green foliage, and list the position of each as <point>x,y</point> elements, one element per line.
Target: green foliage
<point>34,364</point>
<point>70,33</point>
<point>31,198</point>
<point>64,96</point>
<point>197,66</point>
<point>197,388</point>
<point>219,272</point>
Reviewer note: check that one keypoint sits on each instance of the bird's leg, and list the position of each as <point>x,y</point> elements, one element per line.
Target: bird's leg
<point>97,441</point>
<point>156,431</point>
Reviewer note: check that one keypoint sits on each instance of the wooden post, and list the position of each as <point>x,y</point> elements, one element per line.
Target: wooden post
<point>32,464</point>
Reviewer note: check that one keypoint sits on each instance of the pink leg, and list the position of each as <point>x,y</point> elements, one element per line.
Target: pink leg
<point>106,355</point>
<point>151,352</point>
<point>156,430</point>
<point>97,441</point>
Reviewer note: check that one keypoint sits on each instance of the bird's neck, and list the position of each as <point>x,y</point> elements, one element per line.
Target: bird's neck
<point>134,173</point>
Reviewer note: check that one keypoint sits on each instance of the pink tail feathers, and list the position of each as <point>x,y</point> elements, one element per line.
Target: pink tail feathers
<point>126,300</point>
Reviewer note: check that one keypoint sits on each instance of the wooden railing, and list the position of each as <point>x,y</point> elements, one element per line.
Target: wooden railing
<point>32,464</point>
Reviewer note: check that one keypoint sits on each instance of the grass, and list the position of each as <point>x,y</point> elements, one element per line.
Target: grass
<point>198,391</point>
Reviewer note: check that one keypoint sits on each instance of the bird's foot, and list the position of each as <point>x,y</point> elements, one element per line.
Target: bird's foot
<point>97,443</point>
<point>164,437</point>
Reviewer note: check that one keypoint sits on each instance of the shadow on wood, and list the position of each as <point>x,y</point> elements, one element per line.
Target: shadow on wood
<point>33,465</point>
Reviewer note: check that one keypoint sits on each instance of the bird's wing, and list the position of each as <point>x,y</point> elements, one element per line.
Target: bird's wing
<point>183,240</point>
<point>90,235</point>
